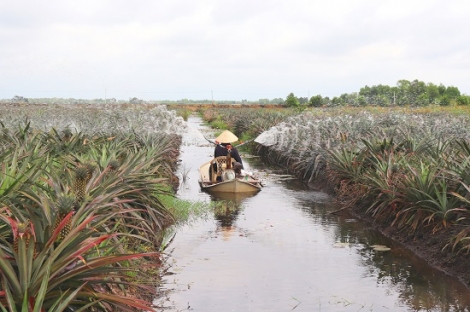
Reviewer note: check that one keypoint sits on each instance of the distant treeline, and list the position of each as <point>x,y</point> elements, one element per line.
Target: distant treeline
<point>413,93</point>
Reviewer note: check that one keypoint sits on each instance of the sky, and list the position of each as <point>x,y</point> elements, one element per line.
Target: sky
<point>228,50</point>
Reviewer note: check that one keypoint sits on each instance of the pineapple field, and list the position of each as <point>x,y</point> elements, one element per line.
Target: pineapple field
<point>84,189</point>
<point>81,210</point>
<point>404,169</point>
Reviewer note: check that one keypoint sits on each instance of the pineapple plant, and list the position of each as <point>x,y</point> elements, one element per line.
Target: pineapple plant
<point>90,168</point>
<point>64,205</point>
<point>66,135</point>
<point>20,232</point>
<point>113,166</point>
<point>23,231</point>
<point>80,182</point>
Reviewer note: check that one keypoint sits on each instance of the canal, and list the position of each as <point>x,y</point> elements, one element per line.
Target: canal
<point>285,249</point>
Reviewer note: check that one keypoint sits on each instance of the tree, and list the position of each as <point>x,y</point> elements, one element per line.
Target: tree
<point>349,99</point>
<point>452,92</point>
<point>444,100</point>
<point>402,97</point>
<point>277,101</point>
<point>292,100</point>
<point>463,100</point>
<point>376,95</point>
<point>19,99</point>
<point>442,89</point>
<point>416,89</point>
<point>365,91</point>
<point>422,100</point>
<point>432,91</point>
<point>316,101</point>
<point>361,101</point>
<point>382,100</point>
<point>303,100</point>
<point>135,100</point>
<point>336,101</point>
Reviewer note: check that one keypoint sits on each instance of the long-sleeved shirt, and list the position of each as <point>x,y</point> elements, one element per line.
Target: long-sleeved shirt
<point>221,150</point>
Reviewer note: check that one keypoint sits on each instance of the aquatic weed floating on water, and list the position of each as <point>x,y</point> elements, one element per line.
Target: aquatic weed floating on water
<point>340,245</point>
<point>380,248</point>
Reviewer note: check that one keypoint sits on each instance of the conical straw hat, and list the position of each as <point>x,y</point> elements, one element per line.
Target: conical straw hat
<point>226,137</point>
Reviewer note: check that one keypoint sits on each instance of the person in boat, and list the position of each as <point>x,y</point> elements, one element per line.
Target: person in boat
<point>224,146</point>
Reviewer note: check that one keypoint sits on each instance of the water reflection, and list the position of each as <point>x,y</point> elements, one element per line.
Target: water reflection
<point>227,207</point>
<point>226,212</point>
<point>419,286</point>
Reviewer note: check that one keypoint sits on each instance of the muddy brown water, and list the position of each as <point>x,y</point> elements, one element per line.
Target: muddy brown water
<point>283,250</point>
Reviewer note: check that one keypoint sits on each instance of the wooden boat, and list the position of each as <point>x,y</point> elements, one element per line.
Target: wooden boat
<point>229,181</point>
<point>236,198</point>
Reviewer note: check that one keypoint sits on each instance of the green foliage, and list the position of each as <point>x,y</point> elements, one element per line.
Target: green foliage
<point>218,124</point>
<point>184,211</point>
<point>315,101</point>
<point>345,164</point>
<point>452,92</point>
<point>361,101</point>
<point>56,253</point>
<point>422,100</point>
<point>337,101</point>
<point>292,100</point>
<point>414,93</point>
<point>444,100</point>
<point>463,100</point>
<point>185,113</point>
<point>432,91</point>
<point>49,276</point>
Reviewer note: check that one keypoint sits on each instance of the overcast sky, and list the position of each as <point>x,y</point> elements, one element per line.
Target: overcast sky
<point>227,49</point>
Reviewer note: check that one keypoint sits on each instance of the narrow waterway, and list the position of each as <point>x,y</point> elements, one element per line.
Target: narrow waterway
<point>284,250</point>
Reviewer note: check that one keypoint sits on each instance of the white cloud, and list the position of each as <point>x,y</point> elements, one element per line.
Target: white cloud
<point>239,49</point>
